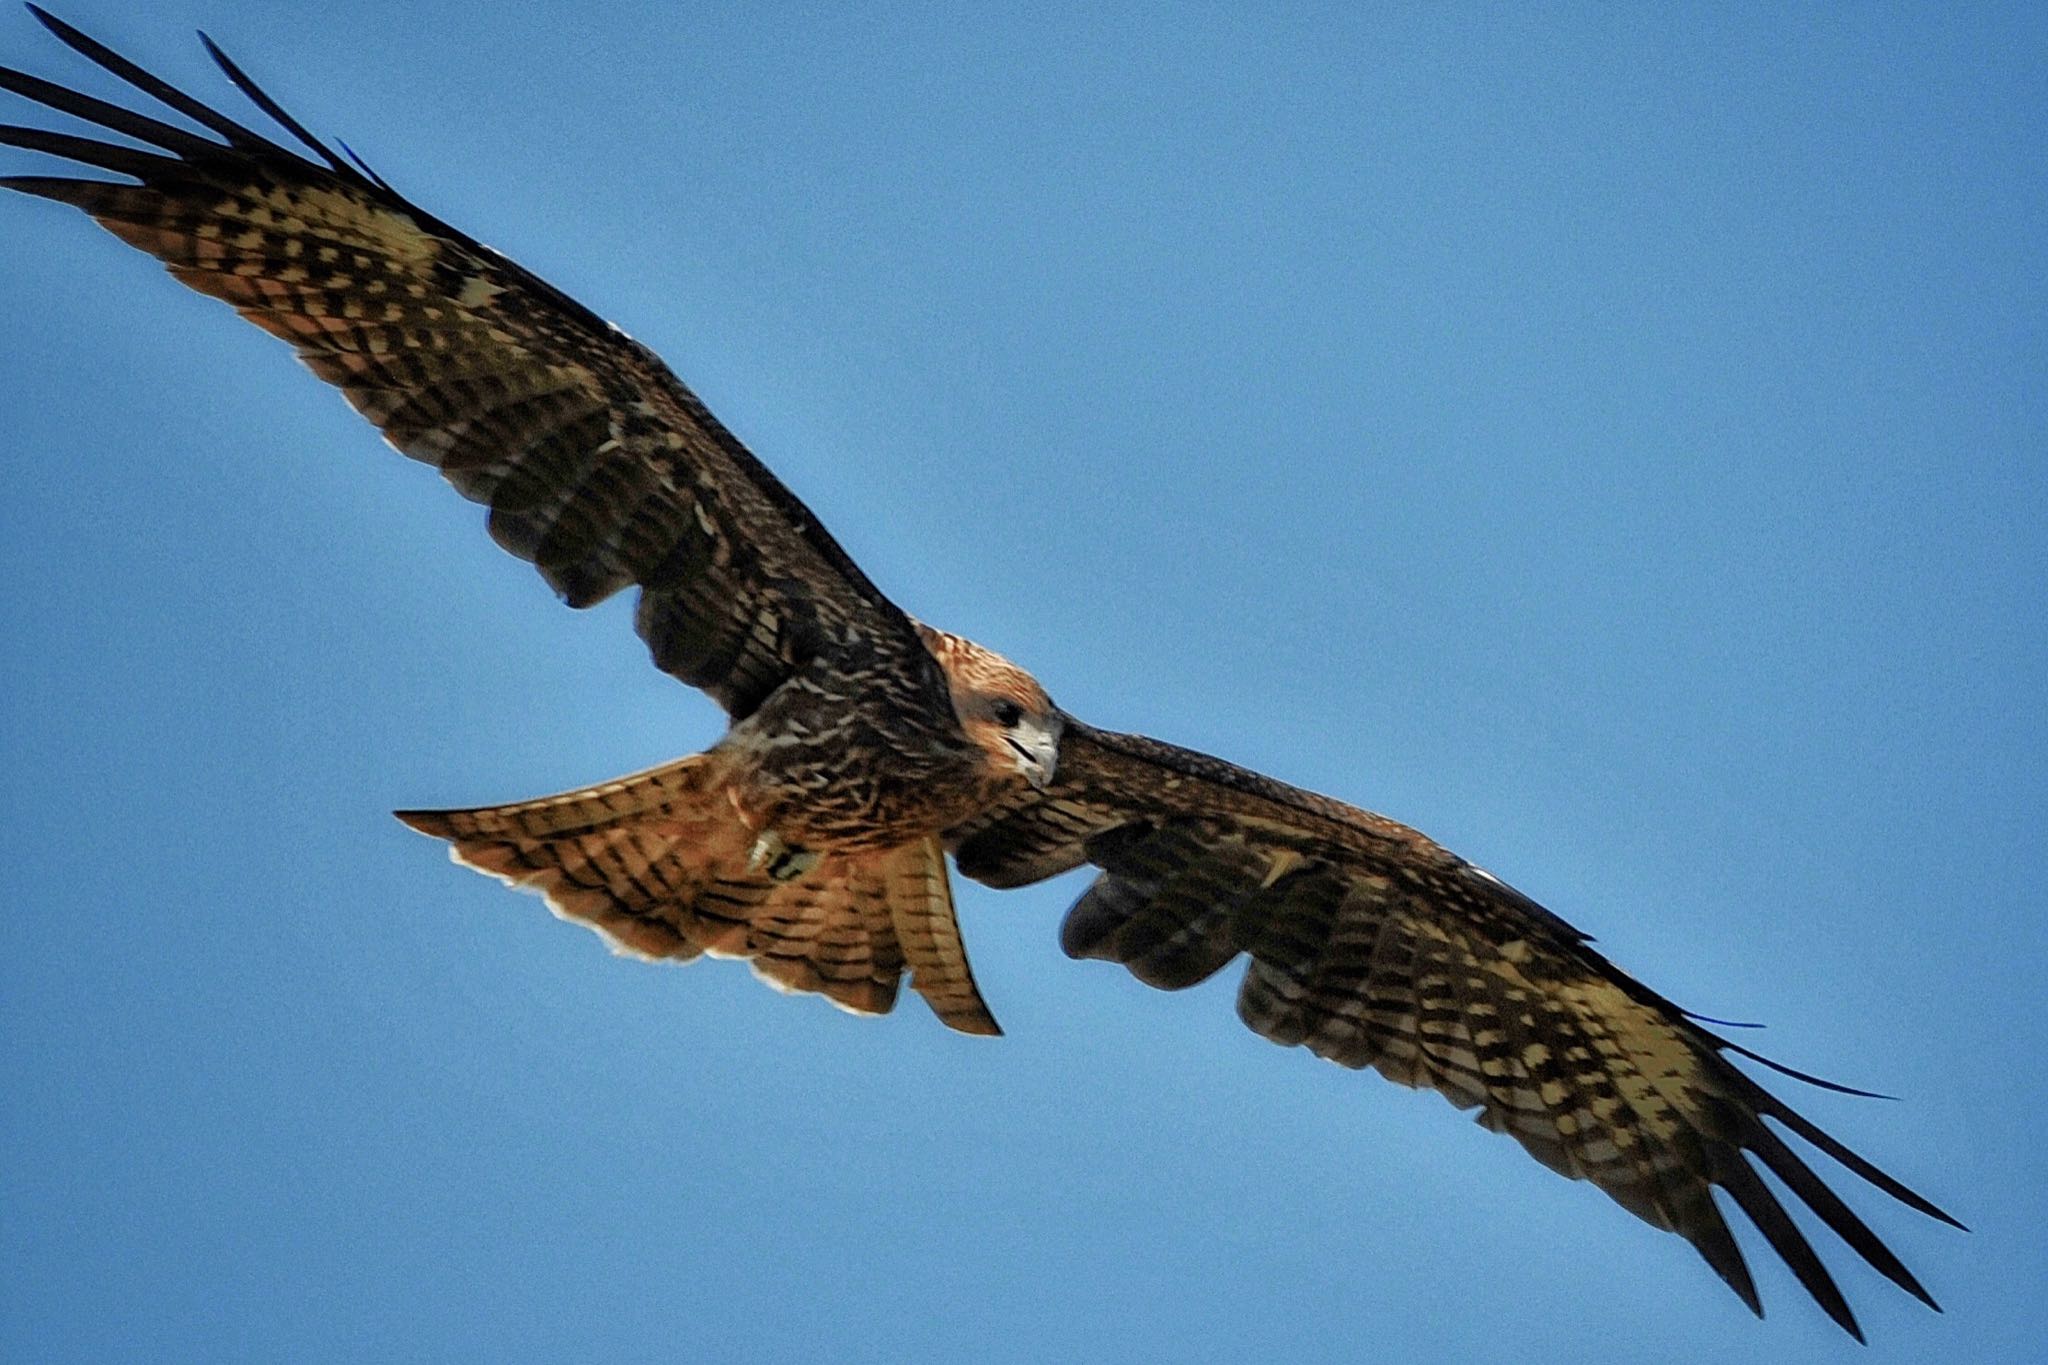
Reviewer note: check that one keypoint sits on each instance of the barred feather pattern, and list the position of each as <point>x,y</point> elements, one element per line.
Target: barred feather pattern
<point>597,465</point>
<point>1371,946</point>
<point>661,867</point>
<point>1367,943</point>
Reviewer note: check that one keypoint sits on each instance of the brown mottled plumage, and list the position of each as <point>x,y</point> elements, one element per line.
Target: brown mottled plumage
<point>864,746</point>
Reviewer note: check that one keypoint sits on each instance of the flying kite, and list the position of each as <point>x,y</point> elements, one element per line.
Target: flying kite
<point>865,746</point>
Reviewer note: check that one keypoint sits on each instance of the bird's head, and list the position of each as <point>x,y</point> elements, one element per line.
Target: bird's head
<point>1002,708</point>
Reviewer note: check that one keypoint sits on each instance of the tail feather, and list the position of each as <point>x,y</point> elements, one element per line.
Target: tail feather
<point>826,933</point>
<point>661,866</point>
<point>921,908</point>
<point>672,787</point>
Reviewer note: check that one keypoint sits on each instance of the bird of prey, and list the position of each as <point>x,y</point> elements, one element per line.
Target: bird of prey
<point>865,746</point>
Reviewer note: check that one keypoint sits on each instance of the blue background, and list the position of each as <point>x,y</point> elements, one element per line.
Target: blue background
<point>1611,441</point>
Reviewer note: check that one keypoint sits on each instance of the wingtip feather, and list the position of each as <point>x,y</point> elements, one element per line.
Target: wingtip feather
<point>261,98</point>
<point>433,823</point>
<point>47,19</point>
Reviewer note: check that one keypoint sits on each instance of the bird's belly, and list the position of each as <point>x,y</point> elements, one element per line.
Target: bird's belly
<point>832,796</point>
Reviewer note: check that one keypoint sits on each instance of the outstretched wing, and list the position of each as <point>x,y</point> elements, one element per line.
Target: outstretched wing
<point>1372,946</point>
<point>597,464</point>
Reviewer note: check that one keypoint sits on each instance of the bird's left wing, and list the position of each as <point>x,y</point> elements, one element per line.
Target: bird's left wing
<point>599,467</point>
<point>1372,946</point>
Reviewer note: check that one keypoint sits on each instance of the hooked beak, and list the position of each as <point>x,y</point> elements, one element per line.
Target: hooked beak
<point>1038,753</point>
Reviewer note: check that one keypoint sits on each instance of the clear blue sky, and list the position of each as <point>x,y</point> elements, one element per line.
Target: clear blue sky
<point>1613,442</point>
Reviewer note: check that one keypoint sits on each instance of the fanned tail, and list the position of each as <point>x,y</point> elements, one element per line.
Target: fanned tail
<point>662,867</point>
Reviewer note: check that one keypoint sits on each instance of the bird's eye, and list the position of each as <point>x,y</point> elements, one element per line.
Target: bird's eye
<point>1008,713</point>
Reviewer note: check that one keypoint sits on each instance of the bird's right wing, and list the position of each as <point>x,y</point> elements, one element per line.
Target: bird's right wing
<point>1374,947</point>
<point>597,464</point>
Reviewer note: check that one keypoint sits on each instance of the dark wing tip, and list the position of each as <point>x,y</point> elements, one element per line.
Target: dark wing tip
<point>59,188</point>
<point>375,179</point>
<point>105,155</point>
<point>1708,1232</point>
<point>1697,1017</point>
<point>261,99</point>
<point>433,823</point>
<point>236,134</point>
<point>1763,1209</point>
<point>49,20</point>
<point>1779,1158</point>
<point>1768,1105</point>
<point>1819,1082</point>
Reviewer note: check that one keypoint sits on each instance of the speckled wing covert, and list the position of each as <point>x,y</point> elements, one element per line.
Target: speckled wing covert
<point>598,466</point>
<point>1372,946</point>
<point>1369,944</point>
